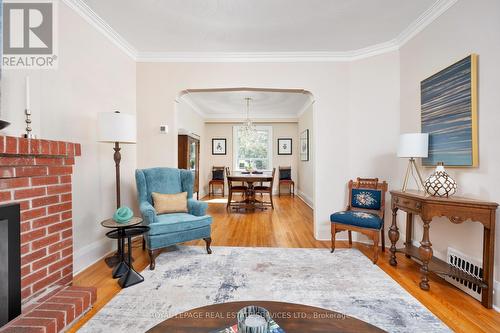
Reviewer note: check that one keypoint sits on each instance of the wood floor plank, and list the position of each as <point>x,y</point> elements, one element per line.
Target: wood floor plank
<point>291,225</point>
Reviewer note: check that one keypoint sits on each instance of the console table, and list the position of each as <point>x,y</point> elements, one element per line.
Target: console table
<point>457,210</point>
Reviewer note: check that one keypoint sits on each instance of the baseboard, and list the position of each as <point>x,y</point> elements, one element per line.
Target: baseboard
<point>91,253</point>
<point>496,295</point>
<point>307,199</point>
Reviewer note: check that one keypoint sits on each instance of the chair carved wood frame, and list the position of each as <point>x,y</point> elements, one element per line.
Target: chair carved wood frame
<point>362,184</point>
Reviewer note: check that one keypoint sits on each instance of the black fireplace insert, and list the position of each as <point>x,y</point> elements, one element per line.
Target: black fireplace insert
<point>10,263</point>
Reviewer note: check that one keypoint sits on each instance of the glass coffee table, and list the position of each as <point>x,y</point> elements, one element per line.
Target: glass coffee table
<point>292,318</point>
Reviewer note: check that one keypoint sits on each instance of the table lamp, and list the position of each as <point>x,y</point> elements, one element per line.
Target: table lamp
<point>413,145</point>
<point>116,127</point>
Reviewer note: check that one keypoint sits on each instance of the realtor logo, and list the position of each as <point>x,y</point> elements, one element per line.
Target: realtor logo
<point>29,34</point>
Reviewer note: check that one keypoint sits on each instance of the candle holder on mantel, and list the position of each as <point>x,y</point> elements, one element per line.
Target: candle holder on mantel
<point>28,133</point>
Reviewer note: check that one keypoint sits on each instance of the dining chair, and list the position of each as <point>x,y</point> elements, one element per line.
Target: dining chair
<point>232,188</point>
<point>285,178</point>
<point>267,189</point>
<point>364,213</point>
<point>217,180</point>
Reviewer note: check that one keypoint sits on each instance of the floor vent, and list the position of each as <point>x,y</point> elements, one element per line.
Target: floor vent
<point>469,265</point>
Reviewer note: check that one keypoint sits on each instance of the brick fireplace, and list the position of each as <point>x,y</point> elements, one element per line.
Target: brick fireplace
<point>37,175</point>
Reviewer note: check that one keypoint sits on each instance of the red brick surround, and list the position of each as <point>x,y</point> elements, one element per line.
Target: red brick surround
<point>37,174</point>
<point>53,312</point>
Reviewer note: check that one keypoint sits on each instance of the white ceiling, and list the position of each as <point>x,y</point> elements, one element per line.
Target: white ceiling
<point>252,26</point>
<point>227,105</point>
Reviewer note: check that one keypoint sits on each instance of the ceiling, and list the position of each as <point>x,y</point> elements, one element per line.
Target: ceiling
<point>244,26</point>
<point>231,104</point>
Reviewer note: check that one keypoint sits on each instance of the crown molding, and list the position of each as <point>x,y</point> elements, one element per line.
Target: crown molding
<point>254,116</point>
<point>318,56</point>
<point>187,99</point>
<point>306,106</point>
<point>431,14</point>
<point>82,9</point>
<point>267,120</point>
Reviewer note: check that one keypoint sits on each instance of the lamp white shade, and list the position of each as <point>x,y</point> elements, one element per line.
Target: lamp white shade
<point>413,145</point>
<point>116,127</point>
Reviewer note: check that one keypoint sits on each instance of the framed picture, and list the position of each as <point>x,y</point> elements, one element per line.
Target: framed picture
<point>449,114</point>
<point>285,146</point>
<point>304,145</point>
<point>218,146</point>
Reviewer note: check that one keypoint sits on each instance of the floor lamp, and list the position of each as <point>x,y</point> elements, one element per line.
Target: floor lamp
<point>116,127</point>
<point>413,145</point>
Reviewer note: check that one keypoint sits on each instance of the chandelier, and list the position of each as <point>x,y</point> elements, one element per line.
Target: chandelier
<point>248,125</point>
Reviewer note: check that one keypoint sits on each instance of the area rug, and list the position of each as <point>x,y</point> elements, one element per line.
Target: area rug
<point>186,278</point>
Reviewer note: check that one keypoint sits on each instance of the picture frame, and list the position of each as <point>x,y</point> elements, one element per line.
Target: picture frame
<point>304,145</point>
<point>219,146</point>
<point>449,103</point>
<point>285,146</point>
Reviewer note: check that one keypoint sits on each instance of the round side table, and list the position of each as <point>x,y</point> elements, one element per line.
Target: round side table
<point>119,233</point>
<point>129,277</point>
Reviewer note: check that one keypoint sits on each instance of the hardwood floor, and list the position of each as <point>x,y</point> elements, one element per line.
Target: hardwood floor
<point>290,225</point>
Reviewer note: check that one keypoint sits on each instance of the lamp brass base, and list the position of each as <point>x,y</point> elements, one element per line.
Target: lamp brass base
<point>409,170</point>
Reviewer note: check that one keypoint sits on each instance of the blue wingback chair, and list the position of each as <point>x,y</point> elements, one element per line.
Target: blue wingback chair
<point>170,229</point>
<point>364,213</point>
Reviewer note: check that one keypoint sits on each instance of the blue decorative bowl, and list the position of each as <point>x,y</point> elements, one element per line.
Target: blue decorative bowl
<point>123,214</point>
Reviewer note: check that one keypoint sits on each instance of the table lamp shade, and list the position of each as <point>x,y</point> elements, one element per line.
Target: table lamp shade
<point>413,145</point>
<point>116,127</point>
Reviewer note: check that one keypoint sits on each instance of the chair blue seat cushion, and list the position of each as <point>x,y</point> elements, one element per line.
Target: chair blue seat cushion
<point>178,222</point>
<point>358,219</point>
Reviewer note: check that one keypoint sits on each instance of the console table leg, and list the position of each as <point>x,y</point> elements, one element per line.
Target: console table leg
<point>488,262</point>
<point>393,236</point>
<point>425,252</point>
<point>409,230</point>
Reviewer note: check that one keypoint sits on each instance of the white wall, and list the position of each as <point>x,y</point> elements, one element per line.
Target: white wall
<point>93,76</point>
<point>468,27</point>
<point>374,124</point>
<point>225,130</point>
<point>158,84</point>
<point>305,175</point>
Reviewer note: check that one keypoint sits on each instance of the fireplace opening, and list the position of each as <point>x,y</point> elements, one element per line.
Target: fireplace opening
<point>10,263</point>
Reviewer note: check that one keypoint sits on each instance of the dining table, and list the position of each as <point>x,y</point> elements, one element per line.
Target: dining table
<point>250,178</point>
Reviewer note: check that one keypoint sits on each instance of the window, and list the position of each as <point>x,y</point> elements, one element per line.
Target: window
<point>253,149</point>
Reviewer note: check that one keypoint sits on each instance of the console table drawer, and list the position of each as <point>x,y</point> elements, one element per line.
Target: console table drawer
<point>411,204</point>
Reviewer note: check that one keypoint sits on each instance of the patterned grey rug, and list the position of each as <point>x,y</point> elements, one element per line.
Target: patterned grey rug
<point>187,277</point>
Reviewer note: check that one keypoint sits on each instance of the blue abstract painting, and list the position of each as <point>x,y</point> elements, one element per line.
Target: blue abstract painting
<point>449,114</point>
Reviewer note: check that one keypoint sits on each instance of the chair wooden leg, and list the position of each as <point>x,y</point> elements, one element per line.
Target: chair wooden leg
<point>375,246</point>
<point>271,198</point>
<point>152,259</point>
<point>229,198</point>
<point>382,236</point>
<point>293,189</point>
<point>208,241</point>
<point>349,233</point>
<point>333,237</point>
<point>223,194</point>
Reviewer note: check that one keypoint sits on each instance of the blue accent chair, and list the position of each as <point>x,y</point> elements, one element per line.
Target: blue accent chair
<point>364,214</point>
<point>169,229</point>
